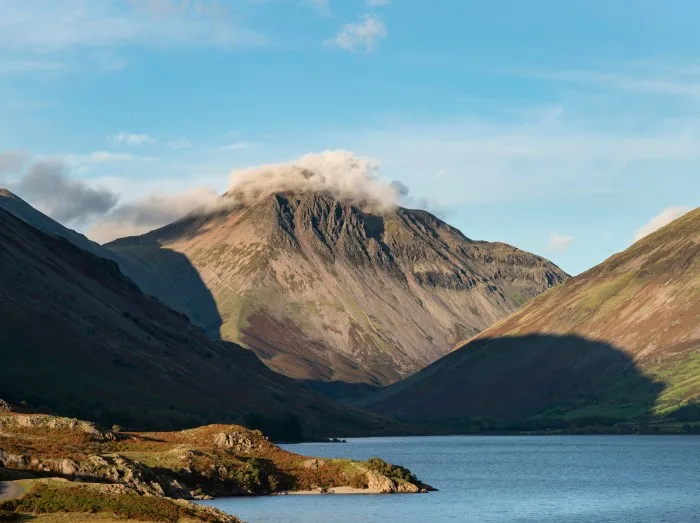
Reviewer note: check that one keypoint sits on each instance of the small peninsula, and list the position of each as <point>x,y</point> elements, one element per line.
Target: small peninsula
<point>64,465</point>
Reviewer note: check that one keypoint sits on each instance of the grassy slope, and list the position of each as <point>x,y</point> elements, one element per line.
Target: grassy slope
<point>62,501</point>
<point>625,333</point>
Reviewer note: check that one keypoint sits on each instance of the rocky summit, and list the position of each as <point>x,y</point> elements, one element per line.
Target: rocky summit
<point>327,291</point>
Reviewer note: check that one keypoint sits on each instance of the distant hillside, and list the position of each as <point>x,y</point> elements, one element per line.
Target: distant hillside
<point>619,342</point>
<point>325,291</point>
<point>79,339</point>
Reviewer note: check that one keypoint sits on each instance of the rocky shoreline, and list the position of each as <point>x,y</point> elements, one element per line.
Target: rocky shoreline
<point>193,464</point>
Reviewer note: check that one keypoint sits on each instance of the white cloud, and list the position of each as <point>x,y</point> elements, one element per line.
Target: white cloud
<point>531,156</point>
<point>341,174</point>
<point>559,242</point>
<point>52,25</point>
<point>98,157</point>
<point>237,146</point>
<point>133,139</point>
<point>363,35</point>
<point>27,65</point>
<point>678,81</point>
<point>660,220</point>
<point>156,210</point>
<point>180,143</point>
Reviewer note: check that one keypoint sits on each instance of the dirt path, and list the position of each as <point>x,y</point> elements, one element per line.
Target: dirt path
<point>10,490</point>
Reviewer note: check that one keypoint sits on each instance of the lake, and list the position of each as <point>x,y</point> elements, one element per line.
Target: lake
<point>507,479</point>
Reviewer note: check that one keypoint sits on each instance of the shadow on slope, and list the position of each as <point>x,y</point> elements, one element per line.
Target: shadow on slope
<point>176,283</point>
<point>529,382</point>
<point>180,287</point>
<point>78,338</point>
<point>342,391</point>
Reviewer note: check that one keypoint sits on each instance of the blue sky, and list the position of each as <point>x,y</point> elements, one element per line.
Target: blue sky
<point>559,127</point>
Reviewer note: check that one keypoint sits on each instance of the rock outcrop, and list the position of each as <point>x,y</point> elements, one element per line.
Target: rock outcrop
<point>216,460</point>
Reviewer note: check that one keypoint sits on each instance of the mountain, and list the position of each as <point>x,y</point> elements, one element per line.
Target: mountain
<point>323,290</point>
<point>79,338</point>
<point>196,303</point>
<point>619,342</point>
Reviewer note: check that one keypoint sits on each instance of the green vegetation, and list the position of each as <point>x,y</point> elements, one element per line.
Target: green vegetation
<point>395,472</point>
<point>598,295</point>
<point>215,460</point>
<point>681,376</point>
<point>45,498</point>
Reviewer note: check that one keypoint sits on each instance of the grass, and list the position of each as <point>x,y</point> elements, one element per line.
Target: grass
<point>682,379</point>
<point>52,498</point>
<point>598,295</point>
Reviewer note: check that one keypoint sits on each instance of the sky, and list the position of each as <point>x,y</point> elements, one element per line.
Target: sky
<point>567,129</point>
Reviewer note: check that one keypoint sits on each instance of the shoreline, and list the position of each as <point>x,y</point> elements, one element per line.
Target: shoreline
<point>503,434</point>
<point>343,491</point>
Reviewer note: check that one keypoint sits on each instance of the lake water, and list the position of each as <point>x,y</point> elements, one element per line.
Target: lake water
<point>507,479</point>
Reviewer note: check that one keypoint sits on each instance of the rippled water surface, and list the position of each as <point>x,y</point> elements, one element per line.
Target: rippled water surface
<point>507,479</point>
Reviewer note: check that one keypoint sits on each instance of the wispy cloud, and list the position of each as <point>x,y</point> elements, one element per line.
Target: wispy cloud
<point>53,25</point>
<point>361,36</point>
<point>534,156</point>
<point>97,157</point>
<point>660,220</point>
<point>238,146</point>
<point>180,143</point>
<point>146,214</point>
<point>133,138</point>
<point>650,79</point>
<point>559,242</point>
<point>28,65</point>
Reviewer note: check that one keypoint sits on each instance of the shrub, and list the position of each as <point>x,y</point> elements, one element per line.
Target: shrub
<point>395,472</point>
<point>358,480</point>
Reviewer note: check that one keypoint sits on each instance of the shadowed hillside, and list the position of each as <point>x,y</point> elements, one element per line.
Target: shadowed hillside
<point>621,340</point>
<point>185,292</point>
<point>523,382</point>
<point>80,339</point>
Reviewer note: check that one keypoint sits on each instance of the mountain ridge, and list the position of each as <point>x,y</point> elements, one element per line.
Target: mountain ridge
<point>325,290</point>
<point>627,332</point>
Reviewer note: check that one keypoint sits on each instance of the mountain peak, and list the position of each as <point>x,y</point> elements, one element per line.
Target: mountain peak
<point>325,288</point>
